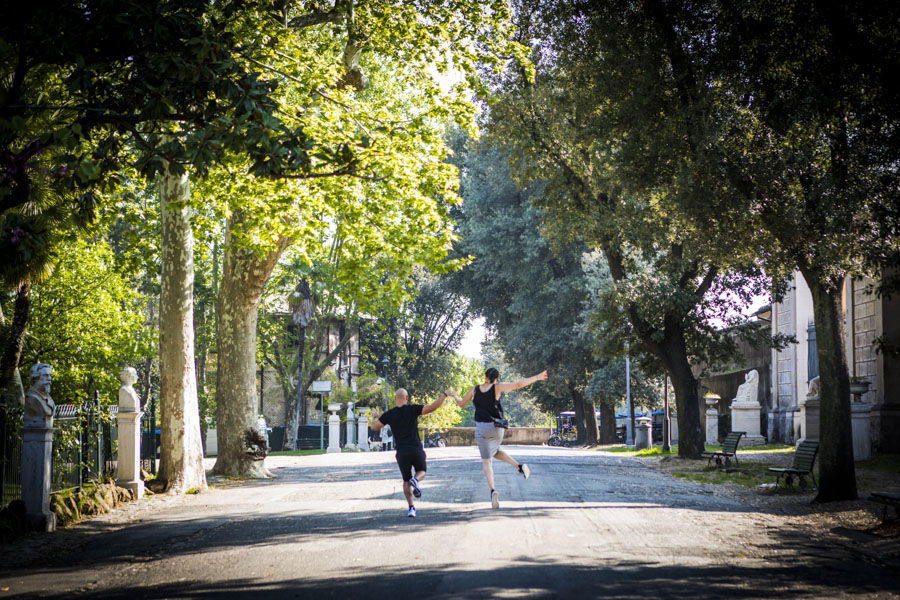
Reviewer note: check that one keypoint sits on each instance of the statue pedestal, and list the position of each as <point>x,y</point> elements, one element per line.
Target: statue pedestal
<point>862,432</point>
<point>334,429</point>
<point>362,429</point>
<point>809,418</point>
<point>37,450</point>
<point>129,455</point>
<point>745,417</point>
<point>351,429</point>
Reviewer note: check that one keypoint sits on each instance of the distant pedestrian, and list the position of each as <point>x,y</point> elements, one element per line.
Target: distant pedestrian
<point>404,422</point>
<point>490,425</point>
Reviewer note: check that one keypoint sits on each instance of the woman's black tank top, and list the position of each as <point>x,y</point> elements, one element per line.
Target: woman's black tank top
<point>487,407</point>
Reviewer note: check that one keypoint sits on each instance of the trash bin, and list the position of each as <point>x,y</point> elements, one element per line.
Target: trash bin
<point>642,437</point>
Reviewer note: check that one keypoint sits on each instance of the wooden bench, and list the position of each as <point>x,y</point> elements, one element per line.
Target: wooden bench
<point>888,500</point>
<point>728,451</point>
<point>804,460</point>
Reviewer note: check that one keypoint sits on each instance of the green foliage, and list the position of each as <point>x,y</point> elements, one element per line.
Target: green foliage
<point>87,323</point>
<point>532,295</point>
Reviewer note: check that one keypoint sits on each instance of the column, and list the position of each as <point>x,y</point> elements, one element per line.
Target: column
<point>129,455</point>
<point>712,418</point>
<point>362,427</point>
<point>351,427</point>
<point>334,428</point>
<point>37,449</point>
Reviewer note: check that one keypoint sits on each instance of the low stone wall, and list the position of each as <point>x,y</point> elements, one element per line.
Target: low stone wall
<point>465,436</point>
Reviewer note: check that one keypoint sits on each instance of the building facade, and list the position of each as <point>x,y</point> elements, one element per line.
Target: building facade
<point>871,322</point>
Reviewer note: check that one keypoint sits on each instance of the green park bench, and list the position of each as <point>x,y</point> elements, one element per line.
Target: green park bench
<point>888,500</point>
<point>728,451</point>
<point>804,460</point>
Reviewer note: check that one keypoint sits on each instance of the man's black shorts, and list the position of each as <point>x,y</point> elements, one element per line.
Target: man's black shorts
<point>409,459</point>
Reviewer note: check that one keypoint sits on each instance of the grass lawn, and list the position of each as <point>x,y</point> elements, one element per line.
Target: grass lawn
<point>303,452</point>
<point>748,475</point>
<point>889,463</point>
<point>657,449</point>
<point>296,452</point>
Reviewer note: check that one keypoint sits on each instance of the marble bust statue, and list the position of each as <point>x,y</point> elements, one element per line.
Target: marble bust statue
<point>129,401</point>
<point>39,405</point>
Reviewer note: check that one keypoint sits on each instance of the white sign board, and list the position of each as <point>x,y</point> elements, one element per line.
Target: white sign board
<point>321,386</point>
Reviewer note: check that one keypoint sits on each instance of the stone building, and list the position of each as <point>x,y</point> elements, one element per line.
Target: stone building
<point>345,365</point>
<point>868,318</point>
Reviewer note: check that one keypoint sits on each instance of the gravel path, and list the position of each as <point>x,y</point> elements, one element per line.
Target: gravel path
<point>587,524</point>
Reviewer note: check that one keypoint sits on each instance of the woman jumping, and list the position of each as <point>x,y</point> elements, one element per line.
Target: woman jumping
<point>490,425</point>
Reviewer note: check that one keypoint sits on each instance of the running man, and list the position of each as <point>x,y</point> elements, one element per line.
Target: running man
<point>404,422</point>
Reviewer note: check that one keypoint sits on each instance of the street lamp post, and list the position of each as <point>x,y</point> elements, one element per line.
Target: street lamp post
<point>384,366</point>
<point>629,422</point>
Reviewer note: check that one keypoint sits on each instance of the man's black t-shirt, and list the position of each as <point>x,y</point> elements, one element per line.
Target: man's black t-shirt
<point>404,422</point>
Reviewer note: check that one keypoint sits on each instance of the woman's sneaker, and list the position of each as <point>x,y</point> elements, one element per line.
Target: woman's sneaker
<point>417,491</point>
<point>495,499</point>
<point>411,512</point>
<point>524,470</point>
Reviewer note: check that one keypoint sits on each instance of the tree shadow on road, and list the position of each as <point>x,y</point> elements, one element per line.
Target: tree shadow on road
<point>528,578</point>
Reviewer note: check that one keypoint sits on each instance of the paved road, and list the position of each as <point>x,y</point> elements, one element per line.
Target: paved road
<point>585,525</point>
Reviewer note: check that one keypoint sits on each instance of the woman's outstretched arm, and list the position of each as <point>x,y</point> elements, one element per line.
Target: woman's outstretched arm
<point>515,385</point>
<point>467,398</point>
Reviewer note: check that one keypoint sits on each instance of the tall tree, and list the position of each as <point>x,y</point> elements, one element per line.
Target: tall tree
<point>530,294</point>
<point>610,140</point>
<point>181,450</point>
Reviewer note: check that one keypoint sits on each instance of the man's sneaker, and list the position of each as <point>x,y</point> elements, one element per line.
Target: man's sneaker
<point>495,499</point>
<point>524,470</point>
<point>417,491</point>
<point>411,512</point>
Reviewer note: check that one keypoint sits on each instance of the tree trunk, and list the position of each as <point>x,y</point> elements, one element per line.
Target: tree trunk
<point>578,405</point>
<point>244,275</point>
<point>608,422</point>
<point>687,398</point>
<point>837,471</point>
<point>10,378</point>
<point>586,417</point>
<point>295,401</point>
<point>181,450</point>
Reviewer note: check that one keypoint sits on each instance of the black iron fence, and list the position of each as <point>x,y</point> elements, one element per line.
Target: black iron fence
<point>10,454</point>
<point>84,444</point>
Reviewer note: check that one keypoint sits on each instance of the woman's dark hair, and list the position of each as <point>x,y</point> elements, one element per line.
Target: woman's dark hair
<point>492,374</point>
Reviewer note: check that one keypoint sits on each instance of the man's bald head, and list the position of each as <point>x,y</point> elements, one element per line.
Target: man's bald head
<point>401,397</point>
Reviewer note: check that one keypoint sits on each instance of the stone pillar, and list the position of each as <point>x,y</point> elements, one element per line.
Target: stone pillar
<point>862,433</point>
<point>746,418</point>
<point>362,428</point>
<point>643,438</point>
<point>809,413</point>
<point>129,421</point>
<point>334,428</point>
<point>37,450</point>
<point>129,453</point>
<point>673,427</point>
<point>712,418</point>
<point>351,427</point>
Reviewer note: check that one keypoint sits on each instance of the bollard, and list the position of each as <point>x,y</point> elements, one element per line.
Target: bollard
<point>128,473</point>
<point>334,428</point>
<point>362,427</point>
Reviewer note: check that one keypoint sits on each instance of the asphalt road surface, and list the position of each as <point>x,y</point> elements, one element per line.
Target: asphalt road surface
<point>585,525</point>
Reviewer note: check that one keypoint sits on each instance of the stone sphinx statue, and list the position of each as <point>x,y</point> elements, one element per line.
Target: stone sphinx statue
<point>39,406</point>
<point>129,401</point>
<point>747,392</point>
